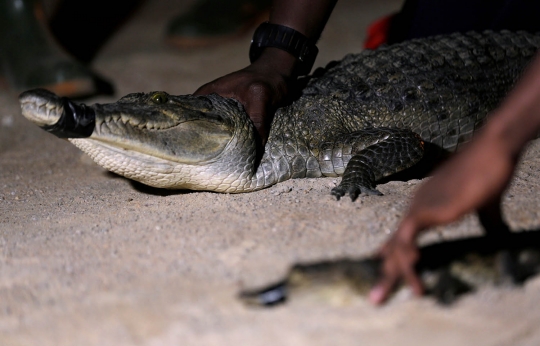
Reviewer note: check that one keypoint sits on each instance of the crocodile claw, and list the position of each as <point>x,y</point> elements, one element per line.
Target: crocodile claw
<point>353,191</point>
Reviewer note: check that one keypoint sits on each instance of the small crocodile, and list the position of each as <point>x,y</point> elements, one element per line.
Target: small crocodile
<point>364,118</point>
<point>448,270</point>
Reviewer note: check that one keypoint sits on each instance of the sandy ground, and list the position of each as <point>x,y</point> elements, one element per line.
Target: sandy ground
<point>88,258</point>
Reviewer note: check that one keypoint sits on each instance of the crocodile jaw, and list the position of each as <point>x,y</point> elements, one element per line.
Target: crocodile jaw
<point>147,169</point>
<point>208,146</point>
<point>230,172</point>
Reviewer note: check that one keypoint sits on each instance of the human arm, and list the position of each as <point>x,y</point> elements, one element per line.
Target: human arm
<point>265,84</point>
<point>473,179</point>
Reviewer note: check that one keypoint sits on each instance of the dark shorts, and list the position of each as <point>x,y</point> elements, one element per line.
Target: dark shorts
<point>421,18</point>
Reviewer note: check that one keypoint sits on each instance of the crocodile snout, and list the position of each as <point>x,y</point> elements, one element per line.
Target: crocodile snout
<point>41,107</point>
<point>57,115</point>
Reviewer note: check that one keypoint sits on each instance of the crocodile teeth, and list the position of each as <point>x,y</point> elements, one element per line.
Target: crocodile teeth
<point>129,120</point>
<point>41,107</point>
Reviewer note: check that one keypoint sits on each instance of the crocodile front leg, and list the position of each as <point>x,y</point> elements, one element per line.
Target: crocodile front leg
<point>368,156</point>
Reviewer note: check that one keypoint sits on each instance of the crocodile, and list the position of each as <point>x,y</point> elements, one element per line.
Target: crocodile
<point>447,270</point>
<point>364,118</point>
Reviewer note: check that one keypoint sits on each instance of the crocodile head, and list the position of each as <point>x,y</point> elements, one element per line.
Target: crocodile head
<point>177,142</point>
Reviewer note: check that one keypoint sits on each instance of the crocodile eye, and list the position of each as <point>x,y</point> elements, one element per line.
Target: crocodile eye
<point>159,98</point>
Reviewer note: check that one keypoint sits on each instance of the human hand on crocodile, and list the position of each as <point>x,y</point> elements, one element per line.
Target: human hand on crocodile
<point>260,87</point>
<point>264,85</point>
<point>473,179</point>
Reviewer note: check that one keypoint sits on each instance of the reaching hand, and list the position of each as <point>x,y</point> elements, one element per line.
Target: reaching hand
<point>472,180</point>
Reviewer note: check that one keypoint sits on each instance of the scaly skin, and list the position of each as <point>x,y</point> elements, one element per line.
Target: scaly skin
<point>365,117</point>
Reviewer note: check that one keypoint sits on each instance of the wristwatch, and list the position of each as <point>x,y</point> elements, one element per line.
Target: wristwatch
<point>287,39</point>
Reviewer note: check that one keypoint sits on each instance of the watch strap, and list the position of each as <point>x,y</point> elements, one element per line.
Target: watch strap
<point>287,39</point>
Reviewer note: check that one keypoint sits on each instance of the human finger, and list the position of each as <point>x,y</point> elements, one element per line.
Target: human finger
<point>399,256</point>
<point>386,283</point>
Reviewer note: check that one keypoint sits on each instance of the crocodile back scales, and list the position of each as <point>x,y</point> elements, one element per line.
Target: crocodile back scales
<point>440,87</point>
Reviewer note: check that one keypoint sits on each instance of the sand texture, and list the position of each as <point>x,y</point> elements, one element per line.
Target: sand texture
<point>89,258</point>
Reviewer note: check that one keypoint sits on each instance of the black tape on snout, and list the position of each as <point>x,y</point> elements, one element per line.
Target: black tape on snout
<point>77,121</point>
